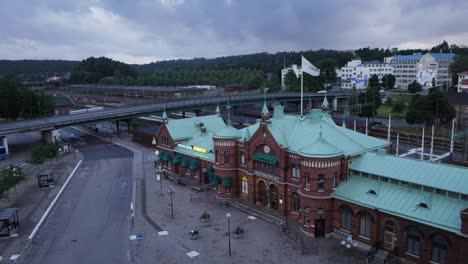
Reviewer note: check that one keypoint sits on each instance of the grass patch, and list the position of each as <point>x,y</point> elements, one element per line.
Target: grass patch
<point>385,110</point>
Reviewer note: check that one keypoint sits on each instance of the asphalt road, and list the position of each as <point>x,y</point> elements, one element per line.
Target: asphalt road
<point>90,223</point>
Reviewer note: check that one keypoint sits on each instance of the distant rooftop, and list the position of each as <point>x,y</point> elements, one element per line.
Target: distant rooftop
<point>437,56</point>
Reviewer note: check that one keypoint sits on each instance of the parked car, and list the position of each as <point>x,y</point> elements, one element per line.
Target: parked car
<point>322,91</point>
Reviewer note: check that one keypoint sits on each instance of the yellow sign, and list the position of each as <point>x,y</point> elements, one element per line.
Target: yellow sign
<point>202,150</point>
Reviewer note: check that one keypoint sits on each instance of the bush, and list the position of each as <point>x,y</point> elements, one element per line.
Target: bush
<point>414,87</point>
<point>398,106</point>
<point>205,216</point>
<point>10,177</point>
<point>40,152</point>
<point>239,230</point>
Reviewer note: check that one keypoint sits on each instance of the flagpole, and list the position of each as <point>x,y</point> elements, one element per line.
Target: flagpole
<point>432,144</point>
<point>397,143</point>
<point>302,84</point>
<point>451,137</point>
<point>422,144</point>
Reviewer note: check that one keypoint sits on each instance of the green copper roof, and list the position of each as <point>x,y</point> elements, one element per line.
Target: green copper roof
<point>296,133</point>
<point>442,212</point>
<point>431,174</point>
<point>325,103</point>
<point>227,132</point>
<point>188,127</point>
<point>320,148</point>
<point>201,140</point>
<point>218,111</point>
<point>247,132</point>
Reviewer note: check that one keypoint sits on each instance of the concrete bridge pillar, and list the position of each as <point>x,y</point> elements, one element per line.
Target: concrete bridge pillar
<point>50,135</point>
<point>129,125</point>
<point>335,103</point>
<point>4,143</point>
<point>117,125</point>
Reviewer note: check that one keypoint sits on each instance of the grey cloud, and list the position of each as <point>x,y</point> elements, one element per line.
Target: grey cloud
<point>145,30</point>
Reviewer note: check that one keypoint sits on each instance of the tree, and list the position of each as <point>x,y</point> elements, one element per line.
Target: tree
<point>327,70</point>
<point>388,81</point>
<point>398,106</point>
<point>374,81</point>
<point>414,87</point>
<point>274,84</point>
<point>441,48</point>
<point>460,64</point>
<point>16,100</point>
<point>366,103</point>
<point>430,109</point>
<point>292,82</point>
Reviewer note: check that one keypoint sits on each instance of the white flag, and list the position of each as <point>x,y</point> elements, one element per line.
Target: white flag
<point>309,67</point>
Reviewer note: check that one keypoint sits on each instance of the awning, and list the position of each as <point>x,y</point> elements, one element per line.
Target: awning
<point>177,159</point>
<point>161,154</point>
<point>167,156</point>
<point>216,179</point>
<point>210,172</point>
<point>227,182</point>
<point>194,165</point>
<point>265,158</point>
<point>185,162</point>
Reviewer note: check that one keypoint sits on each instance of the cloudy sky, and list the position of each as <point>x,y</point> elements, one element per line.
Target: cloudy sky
<point>142,31</point>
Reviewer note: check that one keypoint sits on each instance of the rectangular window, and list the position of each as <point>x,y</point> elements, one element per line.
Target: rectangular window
<point>412,245</point>
<point>216,156</point>
<point>295,203</point>
<point>295,171</point>
<point>365,226</point>
<point>334,179</point>
<point>226,157</point>
<point>439,254</point>
<point>307,180</point>
<point>320,182</point>
<point>242,156</point>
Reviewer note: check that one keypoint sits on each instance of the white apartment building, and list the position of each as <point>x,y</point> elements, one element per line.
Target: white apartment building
<point>462,86</point>
<point>431,69</point>
<point>356,73</point>
<point>297,70</point>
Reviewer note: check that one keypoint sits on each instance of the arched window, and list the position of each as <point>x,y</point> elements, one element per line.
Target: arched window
<point>439,249</point>
<point>295,202</point>
<point>307,180</point>
<point>346,217</point>
<point>413,239</point>
<point>365,224</point>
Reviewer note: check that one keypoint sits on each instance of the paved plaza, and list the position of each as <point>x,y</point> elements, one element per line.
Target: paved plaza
<point>167,240</point>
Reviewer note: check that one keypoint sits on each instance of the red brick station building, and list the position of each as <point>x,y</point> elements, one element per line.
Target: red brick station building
<point>332,180</point>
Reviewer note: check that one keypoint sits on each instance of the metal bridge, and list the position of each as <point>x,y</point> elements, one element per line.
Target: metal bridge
<point>55,122</point>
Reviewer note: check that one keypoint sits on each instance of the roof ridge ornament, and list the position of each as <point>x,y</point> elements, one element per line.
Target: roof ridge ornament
<point>228,108</point>
<point>218,111</point>
<point>265,111</point>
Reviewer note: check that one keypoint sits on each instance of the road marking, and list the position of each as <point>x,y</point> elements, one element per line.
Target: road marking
<point>163,233</point>
<point>49,209</point>
<point>133,237</point>
<point>192,254</point>
<point>251,217</point>
<point>1,258</point>
<point>14,257</point>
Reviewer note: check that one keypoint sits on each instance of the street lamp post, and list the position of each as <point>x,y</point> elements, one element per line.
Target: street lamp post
<point>171,191</point>
<point>228,216</point>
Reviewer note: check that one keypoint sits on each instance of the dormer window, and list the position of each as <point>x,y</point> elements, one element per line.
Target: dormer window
<point>423,205</point>
<point>372,192</point>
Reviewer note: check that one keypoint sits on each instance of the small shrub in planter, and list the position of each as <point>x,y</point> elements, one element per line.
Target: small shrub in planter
<point>238,232</point>
<point>194,234</point>
<point>205,217</point>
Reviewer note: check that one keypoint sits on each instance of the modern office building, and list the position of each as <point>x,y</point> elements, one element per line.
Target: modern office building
<point>429,70</point>
<point>356,73</point>
<point>331,180</point>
